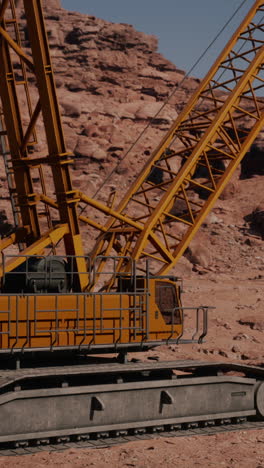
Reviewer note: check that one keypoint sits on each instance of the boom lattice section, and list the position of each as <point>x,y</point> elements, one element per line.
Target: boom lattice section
<point>24,52</point>
<point>186,174</point>
<point>178,186</point>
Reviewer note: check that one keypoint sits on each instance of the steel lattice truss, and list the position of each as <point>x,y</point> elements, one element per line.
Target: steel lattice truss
<point>192,165</point>
<point>178,186</point>
<point>21,57</point>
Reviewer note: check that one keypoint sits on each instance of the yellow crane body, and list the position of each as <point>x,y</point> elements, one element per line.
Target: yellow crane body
<point>91,322</point>
<point>58,306</point>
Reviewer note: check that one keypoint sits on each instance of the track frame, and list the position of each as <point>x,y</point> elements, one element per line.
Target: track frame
<point>79,402</point>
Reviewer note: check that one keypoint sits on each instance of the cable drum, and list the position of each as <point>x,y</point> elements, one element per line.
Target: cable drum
<point>39,275</point>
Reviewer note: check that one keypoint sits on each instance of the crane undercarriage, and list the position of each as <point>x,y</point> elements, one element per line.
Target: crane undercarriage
<point>92,401</point>
<point>54,389</point>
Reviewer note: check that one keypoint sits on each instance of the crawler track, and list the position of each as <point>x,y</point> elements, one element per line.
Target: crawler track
<point>113,440</point>
<point>96,405</point>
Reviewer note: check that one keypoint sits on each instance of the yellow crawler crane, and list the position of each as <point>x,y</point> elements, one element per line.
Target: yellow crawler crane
<point>58,305</point>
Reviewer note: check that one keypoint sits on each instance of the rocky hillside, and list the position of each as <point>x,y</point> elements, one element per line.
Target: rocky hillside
<point>112,83</point>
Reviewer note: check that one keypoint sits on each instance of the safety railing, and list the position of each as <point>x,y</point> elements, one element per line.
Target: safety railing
<point>47,269</point>
<point>194,324</point>
<point>125,315</point>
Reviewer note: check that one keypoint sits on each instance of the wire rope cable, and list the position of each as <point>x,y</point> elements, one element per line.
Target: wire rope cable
<point>179,85</point>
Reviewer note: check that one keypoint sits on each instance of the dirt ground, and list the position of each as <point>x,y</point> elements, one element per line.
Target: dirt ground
<point>235,450</point>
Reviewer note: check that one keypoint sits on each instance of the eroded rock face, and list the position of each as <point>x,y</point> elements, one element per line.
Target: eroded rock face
<point>53,4</point>
<point>47,4</point>
<point>111,83</point>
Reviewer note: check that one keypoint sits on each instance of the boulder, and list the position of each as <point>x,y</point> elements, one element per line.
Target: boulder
<point>253,322</point>
<point>149,110</point>
<point>89,149</point>
<point>199,252</point>
<point>69,108</point>
<point>256,220</point>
